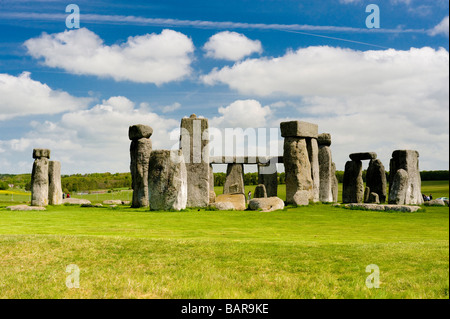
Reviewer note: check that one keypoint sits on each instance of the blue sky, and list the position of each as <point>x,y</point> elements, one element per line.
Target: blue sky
<point>242,64</point>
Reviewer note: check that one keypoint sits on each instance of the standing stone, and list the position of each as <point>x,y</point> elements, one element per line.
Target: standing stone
<point>313,153</point>
<point>407,160</point>
<point>376,179</point>
<point>374,198</point>
<point>167,180</point>
<point>299,183</point>
<point>260,191</point>
<point>367,195</point>
<point>353,188</point>
<point>334,184</point>
<point>194,142</point>
<point>54,183</point>
<point>268,178</point>
<point>326,172</point>
<point>211,178</point>
<point>399,188</point>
<point>234,182</point>
<point>140,150</point>
<point>39,177</point>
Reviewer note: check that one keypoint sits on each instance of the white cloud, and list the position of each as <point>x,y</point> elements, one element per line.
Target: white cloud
<point>151,58</point>
<point>441,28</point>
<point>231,46</point>
<point>93,140</point>
<point>243,114</point>
<point>170,108</point>
<point>21,96</point>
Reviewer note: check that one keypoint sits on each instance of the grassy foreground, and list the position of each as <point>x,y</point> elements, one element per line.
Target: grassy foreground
<point>318,251</point>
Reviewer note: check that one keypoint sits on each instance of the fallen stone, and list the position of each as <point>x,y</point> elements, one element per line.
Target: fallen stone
<point>373,198</point>
<point>299,129</point>
<point>24,208</point>
<point>237,200</point>
<point>266,204</point>
<point>167,180</point>
<point>75,201</point>
<point>112,202</point>
<point>126,202</point>
<point>435,202</point>
<point>376,207</point>
<point>363,156</point>
<point>224,206</point>
<point>136,132</point>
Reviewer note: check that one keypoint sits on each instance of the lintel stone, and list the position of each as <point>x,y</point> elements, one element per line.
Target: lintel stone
<point>299,129</point>
<point>139,131</point>
<point>363,156</point>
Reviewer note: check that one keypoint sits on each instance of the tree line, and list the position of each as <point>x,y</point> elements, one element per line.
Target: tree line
<point>96,181</point>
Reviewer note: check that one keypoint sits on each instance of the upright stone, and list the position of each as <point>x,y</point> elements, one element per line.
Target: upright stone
<point>39,177</point>
<point>268,176</point>
<point>234,182</point>
<point>334,184</point>
<point>299,183</point>
<point>260,191</point>
<point>167,180</point>
<point>313,153</point>
<point>326,172</point>
<point>140,150</point>
<point>376,179</point>
<point>399,188</point>
<point>353,188</point>
<point>54,183</point>
<point>407,160</point>
<point>194,142</point>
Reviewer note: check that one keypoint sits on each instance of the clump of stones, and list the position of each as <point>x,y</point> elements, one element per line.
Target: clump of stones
<point>177,179</point>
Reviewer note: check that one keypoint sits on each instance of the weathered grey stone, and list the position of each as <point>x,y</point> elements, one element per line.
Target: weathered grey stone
<point>40,153</point>
<point>299,183</point>
<point>75,201</point>
<point>363,156</point>
<point>299,129</point>
<point>112,202</point>
<point>376,179</point>
<point>211,178</point>
<point>54,183</point>
<point>234,182</point>
<point>399,188</point>
<point>334,184</point>
<point>374,198</point>
<point>260,191</point>
<point>269,204</point>
<point>212,197</point>
<point>435,202</point>
<point>194,141</point>
<point>267,160</point>
<point>140,151</point>
<point>313,153</point>
<point>353,188</point>
<point>267,175</point>
<point>366,195</point>
<point>324,139</point>
<point>39,182</point>
<point>237,200</point>
<point>326,174</point>
<point>377,207</point>
<point>224,206</point>
<point>167,180</point>
<point>136,132</point>
<point>407,160</point>
<point>24,208</point>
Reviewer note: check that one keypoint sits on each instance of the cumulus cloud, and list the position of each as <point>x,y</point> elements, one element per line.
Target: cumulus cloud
<point>151,58</point>
<point>20,96</point>
<point>441,28</point>
<point>91,140</point>
<point>242,113</point>
<point>231,46</point>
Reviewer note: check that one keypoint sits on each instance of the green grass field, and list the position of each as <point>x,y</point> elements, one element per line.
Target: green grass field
<point>317,251</point>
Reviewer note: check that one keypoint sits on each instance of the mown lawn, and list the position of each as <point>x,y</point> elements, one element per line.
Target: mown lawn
<point>318,251</point>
